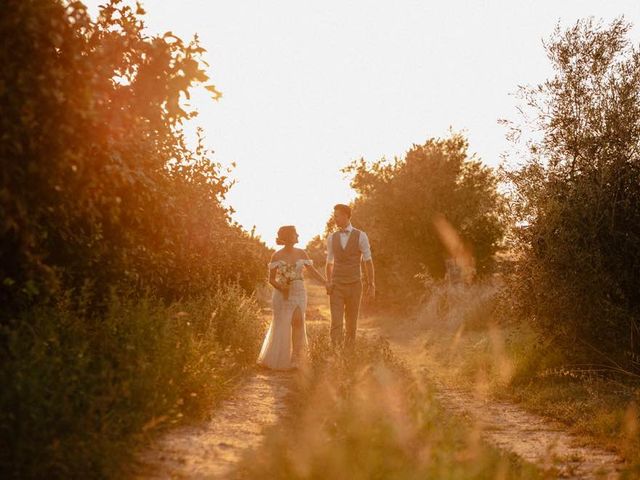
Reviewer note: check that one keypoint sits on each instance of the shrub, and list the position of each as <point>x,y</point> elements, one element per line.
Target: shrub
<point>576,194</point>
<point>79,390</point>
<point>402,205</point>
<point>98,185</point>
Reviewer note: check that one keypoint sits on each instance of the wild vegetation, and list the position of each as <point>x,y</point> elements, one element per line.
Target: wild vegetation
<point>557,328</point>
<point>127,290</point>
<point>402,206</point>
<point>364,416</point>
<point>470,343</point>
<point>576,192</point>
<point>121,271</point>
<point>555,236</point>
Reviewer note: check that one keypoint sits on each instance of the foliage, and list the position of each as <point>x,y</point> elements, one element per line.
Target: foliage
<point>362,416</point>
<point>77,393</point>
<point>123,279</point>
<point>577,193</point>
<point>97,182</point>
<point>470,342</point>
<point>399,203</point>
<point>317,250</point>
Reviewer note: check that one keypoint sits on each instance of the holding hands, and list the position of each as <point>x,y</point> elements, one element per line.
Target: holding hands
<point>369,291</point>
<point>328,287</point>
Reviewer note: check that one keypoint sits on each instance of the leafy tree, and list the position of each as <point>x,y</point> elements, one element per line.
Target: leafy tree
<point>121,271</point>
<point>400,205</point>
<point>97,183</point>
<point>577,193</point>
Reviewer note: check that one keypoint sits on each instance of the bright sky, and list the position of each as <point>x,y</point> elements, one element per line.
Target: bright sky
<point>309,86</point>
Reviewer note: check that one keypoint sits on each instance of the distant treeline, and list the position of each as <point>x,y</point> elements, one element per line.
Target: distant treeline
<point>565,209</point>
<point>398,202</point>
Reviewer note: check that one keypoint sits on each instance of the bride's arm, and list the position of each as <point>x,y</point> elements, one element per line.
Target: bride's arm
<point>272,279</point>
<point>314,271</point>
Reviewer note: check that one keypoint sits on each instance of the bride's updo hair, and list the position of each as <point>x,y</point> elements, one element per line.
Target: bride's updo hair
<point>286,234</point>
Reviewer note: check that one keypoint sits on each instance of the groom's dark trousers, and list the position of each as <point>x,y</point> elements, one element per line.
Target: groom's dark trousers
<point>347,289</point>
<point>345,305</point>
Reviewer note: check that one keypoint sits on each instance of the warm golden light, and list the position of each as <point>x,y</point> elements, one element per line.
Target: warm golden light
<point>309,86</point>
<point>424,312</point>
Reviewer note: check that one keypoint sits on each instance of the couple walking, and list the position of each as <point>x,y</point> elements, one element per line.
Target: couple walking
<point>285,344</point>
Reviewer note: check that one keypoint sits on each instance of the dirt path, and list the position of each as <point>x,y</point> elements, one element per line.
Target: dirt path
<point>534,438</point>
<point>212,449</point>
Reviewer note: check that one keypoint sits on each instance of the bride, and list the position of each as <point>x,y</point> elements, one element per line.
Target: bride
<point>286,340</point>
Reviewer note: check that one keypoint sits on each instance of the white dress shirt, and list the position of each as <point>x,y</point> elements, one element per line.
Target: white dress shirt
<point>363,243</point>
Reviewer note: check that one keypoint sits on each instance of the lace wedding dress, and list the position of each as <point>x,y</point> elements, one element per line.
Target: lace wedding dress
<point>277,348</point>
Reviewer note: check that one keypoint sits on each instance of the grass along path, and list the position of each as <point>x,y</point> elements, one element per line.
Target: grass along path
<point>363,415</point>
<point>237,426</point>
<point>532,437</point>
<point>213,448</point>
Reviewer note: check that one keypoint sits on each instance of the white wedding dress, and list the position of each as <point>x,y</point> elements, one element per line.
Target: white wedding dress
<point>277,348</point>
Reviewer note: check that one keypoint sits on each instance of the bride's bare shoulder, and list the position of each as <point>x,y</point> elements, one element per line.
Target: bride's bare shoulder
<point>302,253</point>
<point>277,255</point>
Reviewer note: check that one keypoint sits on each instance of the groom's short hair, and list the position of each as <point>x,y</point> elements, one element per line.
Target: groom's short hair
<point>341,207</point>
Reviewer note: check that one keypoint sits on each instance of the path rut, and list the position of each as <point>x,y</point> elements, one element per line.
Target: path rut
<point>213,448</point>
<point>506,425</point>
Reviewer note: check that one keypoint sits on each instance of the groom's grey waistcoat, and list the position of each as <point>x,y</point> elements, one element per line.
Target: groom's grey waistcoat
<point>346,263</point>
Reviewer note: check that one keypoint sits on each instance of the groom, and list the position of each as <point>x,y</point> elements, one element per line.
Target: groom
<point>346,248</point>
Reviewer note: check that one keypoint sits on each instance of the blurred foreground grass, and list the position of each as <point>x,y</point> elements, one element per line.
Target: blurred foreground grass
<point>473,342</point>
<point>79,391</point>
<point>363,416</point>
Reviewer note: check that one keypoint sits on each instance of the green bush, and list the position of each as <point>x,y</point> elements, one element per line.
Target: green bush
<point>115,245</point>
<point>78,390</point>
<point>401,205</point>
<point>98,185</point>
<point>577,192</point>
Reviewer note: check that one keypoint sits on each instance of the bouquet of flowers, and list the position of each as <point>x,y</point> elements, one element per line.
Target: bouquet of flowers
<point>285,275</point>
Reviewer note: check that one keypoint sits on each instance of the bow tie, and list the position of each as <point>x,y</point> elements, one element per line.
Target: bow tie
<point>344,230</point>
